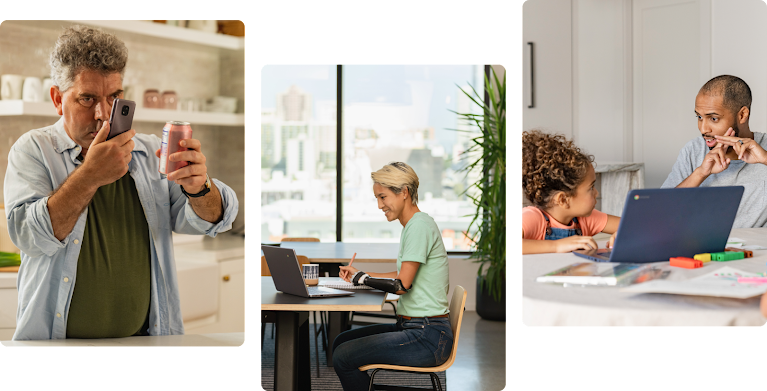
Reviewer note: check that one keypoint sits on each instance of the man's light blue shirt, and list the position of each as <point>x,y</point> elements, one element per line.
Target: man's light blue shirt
<point>38,163</point>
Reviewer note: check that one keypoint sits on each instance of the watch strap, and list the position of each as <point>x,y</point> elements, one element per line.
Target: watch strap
<point>205,189</point>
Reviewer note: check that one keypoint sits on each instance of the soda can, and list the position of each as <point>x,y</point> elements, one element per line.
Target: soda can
<point>172,133</point>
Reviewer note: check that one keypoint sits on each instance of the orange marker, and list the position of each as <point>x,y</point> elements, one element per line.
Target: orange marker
<point>687,263</point>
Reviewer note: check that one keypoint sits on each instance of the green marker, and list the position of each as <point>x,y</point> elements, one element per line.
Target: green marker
<point>727,256</point>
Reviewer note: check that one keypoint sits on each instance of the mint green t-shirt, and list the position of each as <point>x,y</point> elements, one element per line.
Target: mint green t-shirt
<point>421,242</point>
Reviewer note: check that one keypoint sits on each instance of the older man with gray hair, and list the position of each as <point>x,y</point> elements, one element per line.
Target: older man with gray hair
<point>93,217</point>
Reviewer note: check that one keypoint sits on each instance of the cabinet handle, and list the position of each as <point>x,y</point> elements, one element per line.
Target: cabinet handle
<point>532,76</point>
<point>226,277</point>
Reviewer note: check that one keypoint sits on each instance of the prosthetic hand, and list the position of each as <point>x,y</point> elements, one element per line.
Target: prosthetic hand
<point>390,285</point>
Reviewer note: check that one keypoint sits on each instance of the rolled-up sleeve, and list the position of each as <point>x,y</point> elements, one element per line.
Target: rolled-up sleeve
<point>26,190</point>
<point>186,221</point>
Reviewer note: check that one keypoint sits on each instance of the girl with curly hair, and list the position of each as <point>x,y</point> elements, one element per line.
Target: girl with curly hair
<point>558,179</point>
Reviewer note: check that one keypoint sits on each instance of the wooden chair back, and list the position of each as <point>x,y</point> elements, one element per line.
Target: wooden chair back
<point>300,240</point>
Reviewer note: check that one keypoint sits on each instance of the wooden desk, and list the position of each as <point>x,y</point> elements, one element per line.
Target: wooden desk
<point>291,317</point>
<point>342,252</point>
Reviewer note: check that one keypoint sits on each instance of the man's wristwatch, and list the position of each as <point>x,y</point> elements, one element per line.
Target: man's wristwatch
<point>204,191</point>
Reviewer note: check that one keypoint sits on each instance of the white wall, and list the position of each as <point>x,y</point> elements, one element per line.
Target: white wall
<point>636,66</point>
<point>739,34</point>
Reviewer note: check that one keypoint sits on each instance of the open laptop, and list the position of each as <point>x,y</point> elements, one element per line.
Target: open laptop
<point>658,224</point>
<point>287,275</point>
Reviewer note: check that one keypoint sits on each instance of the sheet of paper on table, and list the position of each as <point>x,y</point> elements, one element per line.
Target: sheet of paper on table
<point>339,283</point>
<point>722,282</point>
<point>741,243</point>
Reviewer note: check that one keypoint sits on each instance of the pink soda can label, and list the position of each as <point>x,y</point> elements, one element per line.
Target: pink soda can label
<point>172,133</point>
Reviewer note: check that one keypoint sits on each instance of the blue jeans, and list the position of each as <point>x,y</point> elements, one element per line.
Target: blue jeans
<point>419,342</point>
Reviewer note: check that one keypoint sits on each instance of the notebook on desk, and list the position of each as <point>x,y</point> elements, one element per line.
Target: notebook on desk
<point>658,224</point>
<point>287,276</point>
<point>339,283</point>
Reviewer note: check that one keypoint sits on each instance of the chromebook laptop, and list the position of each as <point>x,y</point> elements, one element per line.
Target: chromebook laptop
<point>287,275</point>
<point>658,224</point>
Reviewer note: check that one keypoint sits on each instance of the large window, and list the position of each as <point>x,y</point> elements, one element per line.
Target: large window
<point>390,113</point>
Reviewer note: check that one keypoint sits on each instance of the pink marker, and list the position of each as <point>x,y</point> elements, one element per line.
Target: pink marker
<point>753,280</point>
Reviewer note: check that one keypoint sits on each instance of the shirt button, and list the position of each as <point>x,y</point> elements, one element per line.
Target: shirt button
<point>58,315</point>
<point>66,279</point>
<point>77,241</point>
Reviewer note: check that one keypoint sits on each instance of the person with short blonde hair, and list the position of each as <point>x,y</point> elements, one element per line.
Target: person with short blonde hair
<point>398,176</point>
<point>391,182</point>
<point>421,279</point>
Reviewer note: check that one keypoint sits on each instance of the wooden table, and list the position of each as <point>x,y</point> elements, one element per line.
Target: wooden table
<point>291,317</point>
<point>342,252</point>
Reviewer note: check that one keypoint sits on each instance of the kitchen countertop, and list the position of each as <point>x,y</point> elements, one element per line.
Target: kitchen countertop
<point>222,339</point>
<point>222,247</point>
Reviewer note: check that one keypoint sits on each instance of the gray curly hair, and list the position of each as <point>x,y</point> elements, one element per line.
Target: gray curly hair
<point>79,48</point>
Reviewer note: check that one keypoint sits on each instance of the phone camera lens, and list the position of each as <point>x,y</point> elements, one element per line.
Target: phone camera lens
<point>126,109</point>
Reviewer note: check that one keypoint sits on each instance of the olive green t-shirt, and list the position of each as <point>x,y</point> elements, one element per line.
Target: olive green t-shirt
<point>112,287</point>
<point>421,242</point>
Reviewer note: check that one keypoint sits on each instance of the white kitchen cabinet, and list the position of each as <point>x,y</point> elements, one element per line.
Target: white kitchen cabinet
<point>211,279</point>
<point>547,66</point>
<point>226,254</point>
<point>8,305</point>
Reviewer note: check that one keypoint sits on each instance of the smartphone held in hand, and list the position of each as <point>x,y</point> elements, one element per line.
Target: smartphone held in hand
<point>172,133</point>
<point>121,117</point>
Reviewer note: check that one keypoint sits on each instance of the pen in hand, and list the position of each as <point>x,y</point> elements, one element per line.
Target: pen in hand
<point>343,276</point>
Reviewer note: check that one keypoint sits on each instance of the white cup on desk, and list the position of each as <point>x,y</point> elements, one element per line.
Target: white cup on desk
<point>311,273</point>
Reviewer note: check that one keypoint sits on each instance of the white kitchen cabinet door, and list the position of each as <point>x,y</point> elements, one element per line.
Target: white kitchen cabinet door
<point>232,296</point>
<point>672,60</point>
<point>547,25</point>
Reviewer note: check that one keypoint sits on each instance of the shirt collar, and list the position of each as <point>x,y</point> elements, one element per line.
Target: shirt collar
<point>63,143</point>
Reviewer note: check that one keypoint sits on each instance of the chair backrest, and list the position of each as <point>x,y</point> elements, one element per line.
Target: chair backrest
<point>265,272</point>
<point>300,240</point>
<point>457,305</point>
<point>264,267</point>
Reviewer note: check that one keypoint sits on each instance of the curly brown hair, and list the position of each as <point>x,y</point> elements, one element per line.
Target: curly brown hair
<point>550,164</point>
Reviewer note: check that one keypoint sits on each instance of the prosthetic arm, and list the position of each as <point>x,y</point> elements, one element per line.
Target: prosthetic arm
<point>390,285</point>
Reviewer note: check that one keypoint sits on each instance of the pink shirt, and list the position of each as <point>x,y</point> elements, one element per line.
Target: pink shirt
<point>534,225</point>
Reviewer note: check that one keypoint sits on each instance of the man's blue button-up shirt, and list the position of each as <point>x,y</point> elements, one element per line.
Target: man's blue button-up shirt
<point>38,163</point>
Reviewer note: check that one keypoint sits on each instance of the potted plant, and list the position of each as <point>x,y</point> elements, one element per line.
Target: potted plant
<point>487,230</point>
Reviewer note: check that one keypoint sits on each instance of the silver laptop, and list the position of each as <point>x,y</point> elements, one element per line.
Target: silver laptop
<point>287,275</point>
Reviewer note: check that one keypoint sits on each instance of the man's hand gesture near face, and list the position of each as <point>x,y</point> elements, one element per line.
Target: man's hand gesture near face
<point>716,160</point>
<point>747,149</point>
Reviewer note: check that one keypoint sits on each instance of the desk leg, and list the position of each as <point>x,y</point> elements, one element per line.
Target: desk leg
<point>291,354</point>
<point>338,322</point>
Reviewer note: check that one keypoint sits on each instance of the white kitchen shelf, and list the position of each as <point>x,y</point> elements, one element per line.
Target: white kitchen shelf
<point>139,28</point>
<point>46,109</point>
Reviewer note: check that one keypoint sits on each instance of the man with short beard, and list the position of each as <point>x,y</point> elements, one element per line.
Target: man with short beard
<point>728,153</point>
